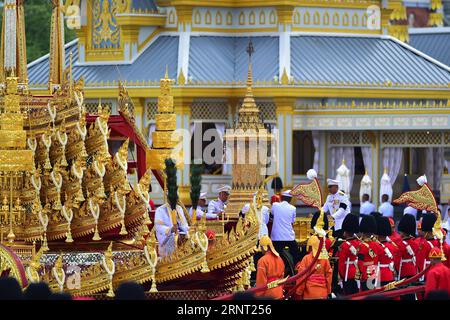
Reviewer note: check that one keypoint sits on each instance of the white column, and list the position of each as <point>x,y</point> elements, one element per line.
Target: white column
<point>285,51</point>
<point>183,51</point>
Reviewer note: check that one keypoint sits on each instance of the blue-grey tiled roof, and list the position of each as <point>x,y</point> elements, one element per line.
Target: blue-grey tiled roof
<point>149,66</point>
<point>314,58</point>
<point>435,44</point>
<point>143,5</point>
<point>226,59</point>
<point>361,59</point>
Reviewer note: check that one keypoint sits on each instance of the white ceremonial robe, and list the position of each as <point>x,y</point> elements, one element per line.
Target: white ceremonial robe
<point>200,213</point>
<point>216,206</point>
<point>386,209</point>
<point>367,208</point>
<point>163,225</point>
<point>332,204</point>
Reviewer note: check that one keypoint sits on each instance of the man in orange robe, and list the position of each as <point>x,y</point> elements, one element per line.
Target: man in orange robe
<point>318,284</point>
<point>270,269</point>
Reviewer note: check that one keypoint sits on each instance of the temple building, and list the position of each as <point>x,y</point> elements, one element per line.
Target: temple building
<point>333,80</point>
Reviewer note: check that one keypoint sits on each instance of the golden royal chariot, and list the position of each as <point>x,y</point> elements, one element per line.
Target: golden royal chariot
<point>69,215</point>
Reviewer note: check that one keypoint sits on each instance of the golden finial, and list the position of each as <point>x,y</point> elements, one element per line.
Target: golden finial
<point>145,180</point>
<point>284,78</point>
<point>36,258</point>
<point>437,228</point>
<point>123,151</point>
<point>99,107</point>
<point>166,75</point>
<point>59,261</point>
<point>343,161</point>
<point>108,252</point>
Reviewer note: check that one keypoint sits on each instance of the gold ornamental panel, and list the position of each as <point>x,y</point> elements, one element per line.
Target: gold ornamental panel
<point>166,122</point>
<point>12,103</point>
<point>11,121</point>
<point>165,139</point>
<point>13,139</point>
<point>156,158</point>
<point>16,160</point>
<point>165,104</point>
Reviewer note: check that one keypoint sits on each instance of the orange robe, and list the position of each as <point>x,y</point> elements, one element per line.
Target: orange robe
<point>270,268</point>
<point>318,284</point>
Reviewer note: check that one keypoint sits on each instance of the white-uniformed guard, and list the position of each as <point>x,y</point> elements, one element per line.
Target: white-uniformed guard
<point>218,206</point>
<point>283,235</point>
<point>386,208</point>
<point>202,204</point>
<point>338,205</point>
<point>411,211</point>
<point>367,207</point>
<point>165,229</point>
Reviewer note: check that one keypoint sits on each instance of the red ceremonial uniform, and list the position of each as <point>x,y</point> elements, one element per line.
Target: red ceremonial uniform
<point>347,259</point>
<point>395,237</point>
<point>407,266</point>
<point>270,268</point>
<point>367,259</point>
<point>446,248</point>
<point>328,244</point>
<point>424,248</point>
<point>438,278</point>
<point>387,253</point>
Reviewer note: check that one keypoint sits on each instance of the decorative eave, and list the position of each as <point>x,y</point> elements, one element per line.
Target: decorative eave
<point>270,3</point>
<point>271,91</point>
<point>139,19</point>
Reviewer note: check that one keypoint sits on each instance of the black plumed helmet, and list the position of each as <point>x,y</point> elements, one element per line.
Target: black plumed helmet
<point>376,214</point>
<point>316,217</point>
<point>368,225</point>
<point>428,221</point>
<point>350,224</point>
<point>407,225</point>
<point>383,227</point>
<point>277,184</point>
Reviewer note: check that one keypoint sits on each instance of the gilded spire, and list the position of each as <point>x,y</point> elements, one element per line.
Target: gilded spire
<point>248,171</point>
<point>249,112</point>
<point>13,57</point>
<point>57,54</point>
<point>164,139</point>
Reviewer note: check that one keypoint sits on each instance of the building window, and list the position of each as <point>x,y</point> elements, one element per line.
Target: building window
<point>303,152</point>
<point>197,152</point>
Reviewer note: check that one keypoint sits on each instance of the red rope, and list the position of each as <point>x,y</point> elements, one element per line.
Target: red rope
<point>299,275</point>
<point>395,293</point>
<point>402,283</point>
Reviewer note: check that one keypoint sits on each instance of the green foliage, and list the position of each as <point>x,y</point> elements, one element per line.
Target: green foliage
<point>172,187</point>
<point>196,183</point>
<point>38,15</point>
